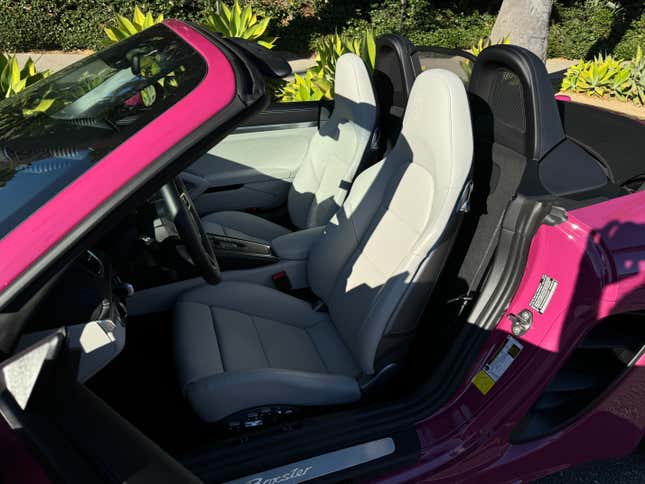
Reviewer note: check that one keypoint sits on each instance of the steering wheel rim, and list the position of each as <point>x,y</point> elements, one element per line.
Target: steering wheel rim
<point>190,229</point>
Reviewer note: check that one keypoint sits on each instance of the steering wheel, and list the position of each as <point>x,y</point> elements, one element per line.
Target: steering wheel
<point>191,230</point>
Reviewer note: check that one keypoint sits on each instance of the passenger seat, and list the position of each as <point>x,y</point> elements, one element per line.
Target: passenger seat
<point>332,161</point>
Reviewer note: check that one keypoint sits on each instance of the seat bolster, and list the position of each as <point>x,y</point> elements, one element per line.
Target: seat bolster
<point>255,300</point>
<point>242,225</point>
<point>196,337</point>
<point>218,396</point>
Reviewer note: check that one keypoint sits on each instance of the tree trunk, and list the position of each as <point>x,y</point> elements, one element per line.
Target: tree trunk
<point>526,22</point>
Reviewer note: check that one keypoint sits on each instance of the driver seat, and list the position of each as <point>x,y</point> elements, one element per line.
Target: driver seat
<point>240,346</point>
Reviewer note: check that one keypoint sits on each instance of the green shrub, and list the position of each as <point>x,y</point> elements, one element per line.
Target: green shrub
<point>578,31</point>
<point>75,24</point>
<point>125,27</point>
<point>633,37</point>
<point>13,79</point>
<point>330,47</point>
<point>239,22</point>
<point>318,82</point>
<point>313,86</point>
<point>637,77</point>
<point>606,76</point>
<point>579,28</point>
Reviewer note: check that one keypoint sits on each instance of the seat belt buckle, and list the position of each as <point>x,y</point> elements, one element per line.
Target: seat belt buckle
<point>281,281</point>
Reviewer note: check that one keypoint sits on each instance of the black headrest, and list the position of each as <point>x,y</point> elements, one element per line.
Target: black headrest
<point>513,101</point>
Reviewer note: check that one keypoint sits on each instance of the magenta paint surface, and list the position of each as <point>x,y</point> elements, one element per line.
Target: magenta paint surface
<point>598,257</point>
<point>17,463</point>
<point>563,97</point>
<point>54,220</point>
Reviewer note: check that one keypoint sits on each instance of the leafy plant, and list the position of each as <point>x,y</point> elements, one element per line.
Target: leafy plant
<point>636,88</point>
<point>239,22</point>
<point>13,79</point>
<point>126,27</point>
<point>314,86</point>
<point>595,78</point>
<point>318,82</point>
<point>571,76</point>
<point>330,47</point>
<point>608,76</point>
<point>485,42</point>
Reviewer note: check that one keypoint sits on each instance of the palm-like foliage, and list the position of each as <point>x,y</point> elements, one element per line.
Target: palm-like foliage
<point>13,79</point>
<point>330,47</point>
<point>125,27</point>
<point>607,76</point>
<point>318,82</point>
<point>313,86</point>
<point>240,22</point>
<point>637,77</point>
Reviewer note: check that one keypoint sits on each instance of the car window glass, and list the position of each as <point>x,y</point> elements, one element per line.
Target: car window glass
<point>53,131</point>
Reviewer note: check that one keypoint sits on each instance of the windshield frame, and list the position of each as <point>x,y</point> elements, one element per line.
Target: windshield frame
<point>212,107</point>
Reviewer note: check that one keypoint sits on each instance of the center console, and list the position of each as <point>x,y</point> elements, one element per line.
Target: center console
<point>239,253</point>
<point>233,253</point>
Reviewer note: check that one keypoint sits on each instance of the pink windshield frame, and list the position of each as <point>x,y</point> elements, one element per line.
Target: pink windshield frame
<point>57,218</point>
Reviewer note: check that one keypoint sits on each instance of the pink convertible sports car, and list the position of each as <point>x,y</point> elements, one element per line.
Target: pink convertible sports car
<point>440,275</point>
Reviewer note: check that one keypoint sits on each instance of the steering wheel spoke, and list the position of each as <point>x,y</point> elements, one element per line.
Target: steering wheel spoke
<point>190,230</point>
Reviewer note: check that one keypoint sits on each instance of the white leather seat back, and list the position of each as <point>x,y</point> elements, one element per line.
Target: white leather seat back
<point>372,266</point>
<point>336,150</point>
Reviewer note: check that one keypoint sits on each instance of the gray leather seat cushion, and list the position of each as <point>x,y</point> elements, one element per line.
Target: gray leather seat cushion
<point>240,345</point>
<point>242,225</point>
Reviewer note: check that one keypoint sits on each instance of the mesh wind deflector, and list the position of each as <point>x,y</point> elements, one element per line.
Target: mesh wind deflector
<point>507,100</point>
<point>453,60</point>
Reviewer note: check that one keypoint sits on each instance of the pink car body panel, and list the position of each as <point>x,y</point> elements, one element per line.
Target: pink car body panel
<point>598,258</point>
<point>53,221</point>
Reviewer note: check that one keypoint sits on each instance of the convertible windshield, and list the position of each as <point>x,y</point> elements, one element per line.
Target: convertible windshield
<point>55,130</point>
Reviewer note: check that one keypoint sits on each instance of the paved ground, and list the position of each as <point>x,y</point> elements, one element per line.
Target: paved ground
<point>557,65</point>
<point>628,470</point>
<point>55,61</point>
<point>52,61</point>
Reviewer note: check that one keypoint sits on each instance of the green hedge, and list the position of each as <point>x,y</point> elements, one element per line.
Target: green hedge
<point>78,24</point>
<point>579,28</point>
<point>588,28</point>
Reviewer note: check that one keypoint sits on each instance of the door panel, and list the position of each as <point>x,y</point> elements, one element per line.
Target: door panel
<point>254,166</point>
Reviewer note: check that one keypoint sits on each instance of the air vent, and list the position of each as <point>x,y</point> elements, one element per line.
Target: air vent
<point>600,358</point>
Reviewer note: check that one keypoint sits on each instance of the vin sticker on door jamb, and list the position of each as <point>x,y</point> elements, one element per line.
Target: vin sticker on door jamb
<point>543,293</point>
<point>486,378</point>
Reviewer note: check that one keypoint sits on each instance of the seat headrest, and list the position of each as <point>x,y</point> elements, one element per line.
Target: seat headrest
<point>513,101</point>
<point>437,126</point>
<point>353,91</point>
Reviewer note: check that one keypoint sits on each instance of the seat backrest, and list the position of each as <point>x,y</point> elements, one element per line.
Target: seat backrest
<point>379,256</point>
<point>335,152</point>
